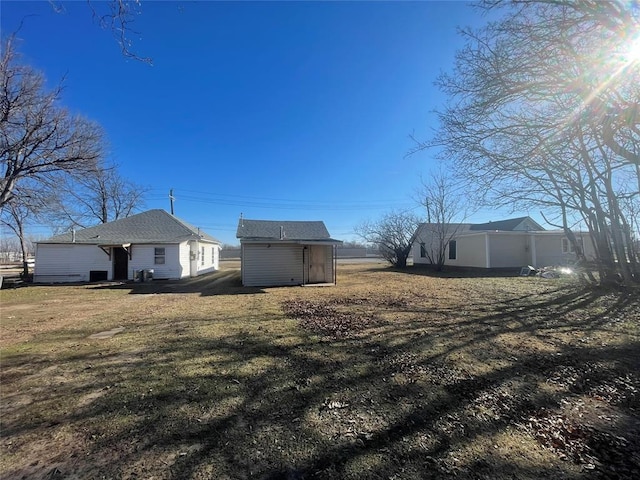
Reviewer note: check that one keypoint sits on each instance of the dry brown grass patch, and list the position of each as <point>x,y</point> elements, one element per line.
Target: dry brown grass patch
<point>386,375</point>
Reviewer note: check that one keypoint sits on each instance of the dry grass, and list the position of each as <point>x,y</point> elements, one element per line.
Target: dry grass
<point>387,375</point>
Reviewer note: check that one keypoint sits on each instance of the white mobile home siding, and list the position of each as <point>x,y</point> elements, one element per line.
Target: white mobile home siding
<point>549,249</point>
<point>431,246</point>
<point>508,250</point>
<point>470,251</point>
<point>271,264</point>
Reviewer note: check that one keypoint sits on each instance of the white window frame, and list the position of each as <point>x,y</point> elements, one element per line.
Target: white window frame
<point>159,255</point>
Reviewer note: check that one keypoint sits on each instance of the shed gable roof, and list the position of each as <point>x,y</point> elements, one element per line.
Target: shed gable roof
<point>152,226</point>
<point>282,230</point>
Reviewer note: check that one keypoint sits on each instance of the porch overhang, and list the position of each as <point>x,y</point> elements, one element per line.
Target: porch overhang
<point>107,248</point>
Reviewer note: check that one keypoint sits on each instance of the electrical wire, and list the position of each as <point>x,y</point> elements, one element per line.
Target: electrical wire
<point>280,203</point>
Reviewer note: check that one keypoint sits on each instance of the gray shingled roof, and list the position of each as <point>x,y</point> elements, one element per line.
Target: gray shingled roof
<point>291,230</point>
<point>152,226</point>
<point>501,225</point>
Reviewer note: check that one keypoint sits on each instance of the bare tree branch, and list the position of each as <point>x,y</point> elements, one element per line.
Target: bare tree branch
<point>38,138</point>
<point>99,196</point>
<point>543,110</point>
<point>118,17</point>
<point>446,206</point>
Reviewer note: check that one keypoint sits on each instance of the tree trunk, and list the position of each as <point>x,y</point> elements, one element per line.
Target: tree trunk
<point>401,260</point>
<point>25,253</point>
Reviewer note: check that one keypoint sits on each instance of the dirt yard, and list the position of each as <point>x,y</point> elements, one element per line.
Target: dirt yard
<point>388,375</point>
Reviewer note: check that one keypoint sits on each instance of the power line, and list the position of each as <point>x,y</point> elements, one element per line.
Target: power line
<point>282,204</point>
<point>271,199</point>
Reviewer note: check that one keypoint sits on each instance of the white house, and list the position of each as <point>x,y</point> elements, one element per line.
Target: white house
<point>507,243</point>
<point>275,253</point>
<point>153,240</point>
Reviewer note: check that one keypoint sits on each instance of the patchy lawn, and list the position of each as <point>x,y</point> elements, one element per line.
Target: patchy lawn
<point>387,375</point>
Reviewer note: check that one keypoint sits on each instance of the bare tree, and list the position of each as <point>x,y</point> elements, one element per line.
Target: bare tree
<point>51,161</point>
<point>38,139</point>
<point>544,110</point>
<point>393,234</point>
<point>446,208</point>
<point>20,210</point>
<point>98,196</point>
<point>9,249</point>
<point>14,215</point>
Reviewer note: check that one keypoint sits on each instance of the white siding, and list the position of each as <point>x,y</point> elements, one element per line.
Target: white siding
<point>589,248</point>
<point>431,245</point>
<point>183,259</point>
<point>271,265</point>
<point>216,259</point>
<point>470,252</point>
<point>69,263</point>
<point>509,250</point>
<point>431,238</point>
<point>73,263</point>
<point>143,258</point>
<point>549,249</point>
<point>210,263</point>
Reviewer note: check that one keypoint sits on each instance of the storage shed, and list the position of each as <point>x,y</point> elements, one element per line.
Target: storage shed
<point>152,244</point>
<point>276,253</point>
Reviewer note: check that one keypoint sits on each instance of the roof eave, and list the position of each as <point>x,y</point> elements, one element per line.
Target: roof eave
<point>293,241</point>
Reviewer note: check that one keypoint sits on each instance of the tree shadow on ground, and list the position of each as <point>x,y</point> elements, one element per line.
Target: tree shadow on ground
<point>462,272</point>
<point>496,391</point>
<point>215,283</point>
<point>448,271</point>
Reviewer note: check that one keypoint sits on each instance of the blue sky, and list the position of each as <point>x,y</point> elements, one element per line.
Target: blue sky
<point>278,110</point>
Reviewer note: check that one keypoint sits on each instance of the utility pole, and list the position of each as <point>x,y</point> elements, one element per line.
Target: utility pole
<point>171,199</point>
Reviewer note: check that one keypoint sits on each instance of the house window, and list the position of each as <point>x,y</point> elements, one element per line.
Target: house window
<point>423,251</point>
<point>213,255</point>
<point>453,250</point>
<point>159,256</point>
<point>567,246</point>
<point>202,256</point>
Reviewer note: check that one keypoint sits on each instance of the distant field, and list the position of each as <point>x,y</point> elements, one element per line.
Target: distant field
<point>394,375</point>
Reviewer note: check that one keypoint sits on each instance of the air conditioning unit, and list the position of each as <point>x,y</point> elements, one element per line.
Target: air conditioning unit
<point>147,275</point>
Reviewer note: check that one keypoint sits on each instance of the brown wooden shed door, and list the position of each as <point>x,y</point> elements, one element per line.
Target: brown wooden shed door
<point>317,259</point>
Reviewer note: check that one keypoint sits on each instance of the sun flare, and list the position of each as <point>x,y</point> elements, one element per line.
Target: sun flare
<point>633,53</point>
